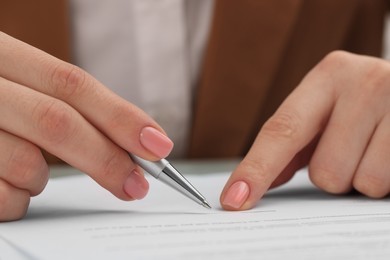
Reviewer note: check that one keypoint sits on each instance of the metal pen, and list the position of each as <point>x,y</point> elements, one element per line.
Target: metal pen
<point>162,170</point>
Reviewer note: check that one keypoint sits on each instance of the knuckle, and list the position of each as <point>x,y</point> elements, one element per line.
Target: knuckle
<point>329,180</point>
<point>8,199</point>
<point>330,66</point>
<point>374,73</point>
<point>26,166</point>
<point>334,61</point>
<point>112,165</point>
<point>54,121</point>
<point>371,185</point>
<point>4,198</point>
<point>282,125</point>
<point>67,80</point>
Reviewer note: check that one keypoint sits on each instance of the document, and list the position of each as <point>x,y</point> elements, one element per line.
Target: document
<point>74,218</point>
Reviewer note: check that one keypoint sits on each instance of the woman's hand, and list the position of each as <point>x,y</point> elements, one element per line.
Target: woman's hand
<point>47,103</point>
<point>337,121</point>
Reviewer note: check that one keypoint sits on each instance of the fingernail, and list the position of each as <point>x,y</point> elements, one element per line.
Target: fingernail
<point>136,186</point>
<point>156,142</point>
<point>236,195</point>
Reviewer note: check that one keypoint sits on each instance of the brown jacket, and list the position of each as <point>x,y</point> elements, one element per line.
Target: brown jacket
<point>258,51</point>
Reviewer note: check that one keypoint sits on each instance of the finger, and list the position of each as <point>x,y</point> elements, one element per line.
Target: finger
<point>22,164</point>
<point>372,177</point>
<point>62,131</point>
<point>293,126</point>
<point>13,202</point>
<point>343,143</point>
<point>122,122</point>
<point>300,160</point>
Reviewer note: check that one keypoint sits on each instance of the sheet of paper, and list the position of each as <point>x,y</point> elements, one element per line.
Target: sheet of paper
<point>76,219</point>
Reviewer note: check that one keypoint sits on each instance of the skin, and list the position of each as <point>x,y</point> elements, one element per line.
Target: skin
<point>336,121</point>
<point>47,103</point>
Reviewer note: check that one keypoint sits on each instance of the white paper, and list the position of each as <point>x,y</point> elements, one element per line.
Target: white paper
<point>76,219</point>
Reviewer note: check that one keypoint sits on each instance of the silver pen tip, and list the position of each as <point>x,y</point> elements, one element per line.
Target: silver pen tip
<point>206,205</point>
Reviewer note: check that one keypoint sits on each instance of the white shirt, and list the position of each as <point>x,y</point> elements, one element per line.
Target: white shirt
<point>147,51</point>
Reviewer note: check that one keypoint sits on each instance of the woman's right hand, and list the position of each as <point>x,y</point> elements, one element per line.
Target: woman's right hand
<point>50,104</point>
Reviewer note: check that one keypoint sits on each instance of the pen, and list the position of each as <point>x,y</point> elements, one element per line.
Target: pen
<point>162,170</point>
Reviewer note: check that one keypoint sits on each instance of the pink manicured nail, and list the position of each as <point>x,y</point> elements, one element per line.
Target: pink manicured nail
<point>156,142</point>
<point>136,186</point>
<point>236,195</point>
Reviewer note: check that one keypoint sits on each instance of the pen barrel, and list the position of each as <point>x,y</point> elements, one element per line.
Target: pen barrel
<point>175,180</point>
<point>153,168</point>
<point>165,172</point>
